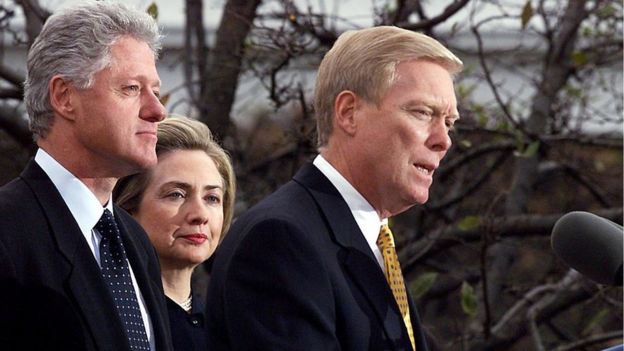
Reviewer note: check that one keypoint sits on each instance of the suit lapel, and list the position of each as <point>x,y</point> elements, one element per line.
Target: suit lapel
<point>358,259</point>
<point>83,274</point>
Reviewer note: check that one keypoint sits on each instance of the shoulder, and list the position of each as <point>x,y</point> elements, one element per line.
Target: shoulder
<point>135,232</point>
<point>13,194</point>
<point>19,207</point>
<point>127,220</point>
<point>288,204</point>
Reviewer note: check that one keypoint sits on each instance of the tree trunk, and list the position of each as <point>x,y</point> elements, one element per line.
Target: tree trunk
<point>224,67</point>
<point>557,69</point>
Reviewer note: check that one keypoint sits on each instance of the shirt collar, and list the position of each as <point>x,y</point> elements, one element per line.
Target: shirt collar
<point>364,214</point>
<point>82,203</point>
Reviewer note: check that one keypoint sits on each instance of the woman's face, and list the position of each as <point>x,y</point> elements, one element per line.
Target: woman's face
<point>182,208</point>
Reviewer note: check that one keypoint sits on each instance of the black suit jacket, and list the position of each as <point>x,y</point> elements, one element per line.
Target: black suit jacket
<point>52,296</point>
<point>295,273</point>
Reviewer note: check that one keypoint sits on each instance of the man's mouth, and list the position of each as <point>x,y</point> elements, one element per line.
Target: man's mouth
<point>425,169</point>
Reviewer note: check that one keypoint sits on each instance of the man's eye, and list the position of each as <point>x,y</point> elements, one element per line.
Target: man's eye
<point>132,88</point>
<point>421,113</point>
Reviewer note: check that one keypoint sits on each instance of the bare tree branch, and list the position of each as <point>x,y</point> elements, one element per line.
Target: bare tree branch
<point>14,125</point>
<point>11,76</point>
<point>591,340</point>
<point>449,11</point>
<point>473,153</point>
<point>510,226</point>
<point>35,17</point>
<point>486,173</point>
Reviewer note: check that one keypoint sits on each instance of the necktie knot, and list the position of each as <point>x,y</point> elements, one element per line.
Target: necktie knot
<point>385,240</point>
<point>106,226</point>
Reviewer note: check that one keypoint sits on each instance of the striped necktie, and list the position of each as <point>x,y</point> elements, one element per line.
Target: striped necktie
<point>385,241</point>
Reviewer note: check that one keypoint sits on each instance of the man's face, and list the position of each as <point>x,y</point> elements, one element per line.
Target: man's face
<point>117,118</point>
<point>404,137</point>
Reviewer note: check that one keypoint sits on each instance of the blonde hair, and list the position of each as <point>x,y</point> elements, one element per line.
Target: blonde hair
<point>181,133</point>
<point>364,62</point>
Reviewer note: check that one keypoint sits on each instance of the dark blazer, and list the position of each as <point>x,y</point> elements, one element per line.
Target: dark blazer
<point>295,273</point>
<point>51,291</point>
<point>187,329</point>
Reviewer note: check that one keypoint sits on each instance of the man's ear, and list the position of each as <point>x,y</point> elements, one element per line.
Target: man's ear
<point>61,98</point>
<point>344,111</point>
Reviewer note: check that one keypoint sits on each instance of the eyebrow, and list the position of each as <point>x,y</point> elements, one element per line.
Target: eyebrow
<point>185,186</point>
<point>431,104</point>
<point>141,78</point>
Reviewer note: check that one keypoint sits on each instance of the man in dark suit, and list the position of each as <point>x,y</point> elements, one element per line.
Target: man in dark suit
<point>312,266</point>
<point>92,95</point>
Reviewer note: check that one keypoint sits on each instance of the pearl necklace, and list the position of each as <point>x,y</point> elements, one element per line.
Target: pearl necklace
<point>186,305</point>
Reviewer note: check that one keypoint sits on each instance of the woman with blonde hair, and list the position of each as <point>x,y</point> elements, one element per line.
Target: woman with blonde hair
<point>185,204</point>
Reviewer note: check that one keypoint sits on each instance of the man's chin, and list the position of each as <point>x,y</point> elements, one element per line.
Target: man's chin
<point>420,196</point>
<point>138,165</point>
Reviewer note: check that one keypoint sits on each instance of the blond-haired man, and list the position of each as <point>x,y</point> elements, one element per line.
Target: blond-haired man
<point>312,266</point>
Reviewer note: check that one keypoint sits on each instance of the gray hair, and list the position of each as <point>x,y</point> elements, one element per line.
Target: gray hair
<point>75,43</point>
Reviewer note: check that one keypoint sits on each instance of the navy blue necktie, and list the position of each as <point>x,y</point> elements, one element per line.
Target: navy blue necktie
<point>116,274</point>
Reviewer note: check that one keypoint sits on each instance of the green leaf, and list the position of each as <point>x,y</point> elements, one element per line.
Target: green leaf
<point>574,92</point>
<point>528,151</point>
<point>152,10</point>
<point>595,321</point>
<point>503,126</point>
<point>482,119</point>
<point>454,28</point>
<point>165,99</point>
<point>531,150</point>
<point>527,13</point>
<point>465,143</point>
<point>606,11</point>
<point>464,91</point>
<point>480,114</point>
<point>422,284</point>
<point>579,58</point>
<point>587,31</point>
<point>468,300</point>
<point>469,222</point>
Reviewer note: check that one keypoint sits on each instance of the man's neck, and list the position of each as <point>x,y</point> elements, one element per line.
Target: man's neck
<point>102,187</point>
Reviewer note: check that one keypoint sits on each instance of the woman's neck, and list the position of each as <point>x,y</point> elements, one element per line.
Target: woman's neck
<point>177,283</point>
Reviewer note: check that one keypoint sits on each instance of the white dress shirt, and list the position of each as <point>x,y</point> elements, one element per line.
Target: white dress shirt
<point>87,210</point>
<point>365,215</point>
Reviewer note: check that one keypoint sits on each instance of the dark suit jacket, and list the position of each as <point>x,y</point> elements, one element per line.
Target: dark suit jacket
<point>51,291</point>
<point>295,273</point>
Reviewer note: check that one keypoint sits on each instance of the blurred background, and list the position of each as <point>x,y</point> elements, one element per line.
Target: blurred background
<point>540,135</point>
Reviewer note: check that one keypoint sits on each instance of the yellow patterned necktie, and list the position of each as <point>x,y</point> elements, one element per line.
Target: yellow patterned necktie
<point>385,241</point>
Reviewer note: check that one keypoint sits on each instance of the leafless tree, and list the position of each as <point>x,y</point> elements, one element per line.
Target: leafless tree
<point>477,256</point>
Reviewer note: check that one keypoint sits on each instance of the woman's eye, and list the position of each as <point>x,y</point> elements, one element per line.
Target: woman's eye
<point>213,199</point>
<point>175,195</point>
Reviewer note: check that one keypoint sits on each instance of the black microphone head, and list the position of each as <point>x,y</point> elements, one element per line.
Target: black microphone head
<point>590,244</point>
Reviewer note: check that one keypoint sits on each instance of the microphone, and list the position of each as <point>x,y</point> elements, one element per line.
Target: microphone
<point>590,244</point>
